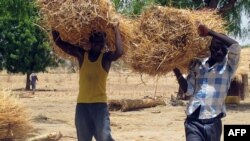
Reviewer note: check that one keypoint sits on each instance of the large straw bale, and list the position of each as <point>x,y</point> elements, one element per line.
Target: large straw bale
<point>14,123</point>
<point>161,39</point>
<point>169,39</point>
<point>76,20</point>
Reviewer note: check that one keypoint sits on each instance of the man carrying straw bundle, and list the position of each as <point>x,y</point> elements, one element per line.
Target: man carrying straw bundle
<point>92,115</point>
<point>208,83</point>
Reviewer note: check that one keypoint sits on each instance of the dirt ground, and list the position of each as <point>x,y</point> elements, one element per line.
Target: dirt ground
<point>52,108</point>
<point>53,105</point>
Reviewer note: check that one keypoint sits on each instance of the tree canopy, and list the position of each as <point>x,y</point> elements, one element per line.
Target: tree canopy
<point>231,10</point>
<point>24,46</point>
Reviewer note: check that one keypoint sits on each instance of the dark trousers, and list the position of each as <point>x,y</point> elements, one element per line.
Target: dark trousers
<point>199,131</point>
<point>92,120</point>
<point>203,129</point>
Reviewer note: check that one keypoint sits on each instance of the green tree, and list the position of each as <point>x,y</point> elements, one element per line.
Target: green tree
<point>231,10</point>
<point>191,4</point>
<point>24,47</point>
<point>131,7</point>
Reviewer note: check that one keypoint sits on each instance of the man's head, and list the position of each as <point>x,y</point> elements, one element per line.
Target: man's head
<point>97,41</point>
<point>218,50</point>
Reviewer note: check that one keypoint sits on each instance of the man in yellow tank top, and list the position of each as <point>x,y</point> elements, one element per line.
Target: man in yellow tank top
<point>92,115</point>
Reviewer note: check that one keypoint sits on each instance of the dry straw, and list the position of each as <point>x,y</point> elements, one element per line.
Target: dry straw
<point>169,39</point>
<point>77,19</point>
<point>13,120</point>
<point>159,40</point>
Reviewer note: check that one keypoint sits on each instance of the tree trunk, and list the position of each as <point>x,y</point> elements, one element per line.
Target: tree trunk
<point>55,136</point>
<point>27,82</point>
<point>213,4</point>
<point>227,7</point>
<point>134,104</point>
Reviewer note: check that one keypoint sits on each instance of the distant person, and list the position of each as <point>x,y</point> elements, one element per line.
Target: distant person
<point>207,83</point>
<point>92,115</point>
<point>33,79</point>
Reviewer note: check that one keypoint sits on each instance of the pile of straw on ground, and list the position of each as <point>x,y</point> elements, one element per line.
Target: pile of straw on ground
<point>76,20</point>
<point>169,39</point>
<point>13,120</point>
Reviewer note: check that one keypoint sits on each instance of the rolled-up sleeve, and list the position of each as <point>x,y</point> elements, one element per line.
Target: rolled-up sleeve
<point>234,56</point>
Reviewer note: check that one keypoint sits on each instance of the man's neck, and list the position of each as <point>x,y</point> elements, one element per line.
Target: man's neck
<point>94,53</point>
<point>211,62</point>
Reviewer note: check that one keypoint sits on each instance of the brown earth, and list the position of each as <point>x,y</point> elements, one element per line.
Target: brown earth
<point>52,108</point>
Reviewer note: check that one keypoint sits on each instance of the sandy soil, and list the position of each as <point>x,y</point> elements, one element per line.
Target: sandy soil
<point>52,108</point>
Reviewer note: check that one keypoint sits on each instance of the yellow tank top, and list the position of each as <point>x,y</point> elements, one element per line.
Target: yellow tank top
<point>92,81</point>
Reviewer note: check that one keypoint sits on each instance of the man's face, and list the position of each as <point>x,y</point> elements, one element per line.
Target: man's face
<point>97,41</point>
<point>218,50</point>
<point>97,46</point>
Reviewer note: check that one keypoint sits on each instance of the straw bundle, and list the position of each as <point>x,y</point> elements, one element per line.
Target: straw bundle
<point>169,39</point>
<point>76,20</point>
<point>13,120</point>
<point>161,39</point>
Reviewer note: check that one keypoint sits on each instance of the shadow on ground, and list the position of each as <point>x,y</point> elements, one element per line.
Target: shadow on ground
<point>41,90</point>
